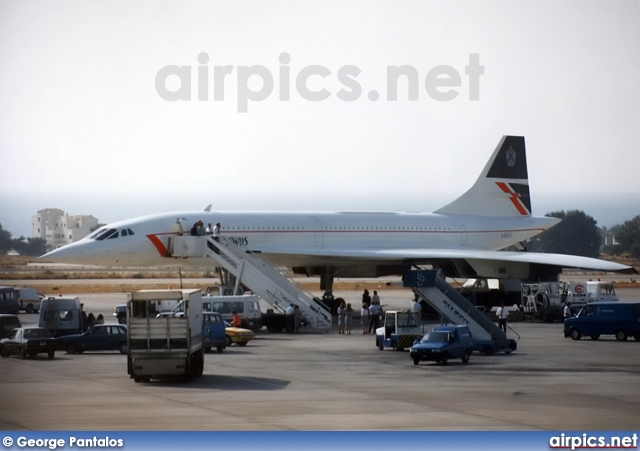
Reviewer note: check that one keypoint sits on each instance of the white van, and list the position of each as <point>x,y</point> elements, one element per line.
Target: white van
<point>246,305</point>
<point>61,316</point>
<point>30,300</point>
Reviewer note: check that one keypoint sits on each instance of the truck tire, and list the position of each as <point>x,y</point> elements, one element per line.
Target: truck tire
<point>621,335</point>
<point>220,348</point>
<point>575,334</point>
<point>416,361</point>
<point>122,348</point>
<point>379,345</point>
<point>72,348</point>
<point>29,308</point>
<point>51,354</point>
<point>465,356</point>
<point>274,329</point>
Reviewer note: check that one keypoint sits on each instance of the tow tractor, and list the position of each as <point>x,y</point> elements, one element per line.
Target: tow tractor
<point>401,328</point>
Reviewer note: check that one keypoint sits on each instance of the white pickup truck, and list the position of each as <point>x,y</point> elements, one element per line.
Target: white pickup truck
<point>30,300</point>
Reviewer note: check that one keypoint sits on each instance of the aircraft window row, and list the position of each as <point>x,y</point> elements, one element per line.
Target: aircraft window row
<point>417,229</point>
<point>109,234</point>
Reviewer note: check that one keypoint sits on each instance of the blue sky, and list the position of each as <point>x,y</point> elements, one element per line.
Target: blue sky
<point>84,127</point>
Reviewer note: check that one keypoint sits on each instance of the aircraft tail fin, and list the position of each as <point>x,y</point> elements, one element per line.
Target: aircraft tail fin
<point>502,188</point>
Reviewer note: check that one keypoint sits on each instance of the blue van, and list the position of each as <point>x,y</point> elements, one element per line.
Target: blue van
<point>621,319</point>
<point>9,300</point>
<point>213,331</point>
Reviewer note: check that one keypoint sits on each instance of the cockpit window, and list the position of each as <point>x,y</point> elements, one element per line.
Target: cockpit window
<point>97,232</point>
<point>107,234</point>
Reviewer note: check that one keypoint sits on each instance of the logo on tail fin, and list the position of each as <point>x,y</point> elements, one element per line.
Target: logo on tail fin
<point>518,195</point>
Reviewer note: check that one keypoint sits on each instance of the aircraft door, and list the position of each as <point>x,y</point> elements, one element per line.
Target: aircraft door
<point>319,232</point>
<point>464,236</point>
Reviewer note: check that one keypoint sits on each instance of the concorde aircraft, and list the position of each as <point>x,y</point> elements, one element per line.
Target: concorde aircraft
<point>463,238</point>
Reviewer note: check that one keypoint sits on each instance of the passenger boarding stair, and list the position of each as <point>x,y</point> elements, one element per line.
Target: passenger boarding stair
<point>456,309</point>
<point>255,272</point>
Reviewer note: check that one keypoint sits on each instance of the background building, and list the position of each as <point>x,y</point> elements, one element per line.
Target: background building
<point>58,228</point>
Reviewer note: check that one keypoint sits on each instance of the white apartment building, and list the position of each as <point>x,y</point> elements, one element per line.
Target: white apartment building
<point>58,228</point>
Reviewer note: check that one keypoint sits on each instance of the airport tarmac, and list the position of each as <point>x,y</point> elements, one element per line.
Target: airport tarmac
<point>327,381</point>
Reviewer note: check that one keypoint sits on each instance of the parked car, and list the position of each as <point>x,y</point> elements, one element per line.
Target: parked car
<point>443,343</point>
<point>7,324</point>
<point>120,312</point>
<point>28,341</point>
<point>238,335</point>
<point>101,337</point>
<point>213,331</point>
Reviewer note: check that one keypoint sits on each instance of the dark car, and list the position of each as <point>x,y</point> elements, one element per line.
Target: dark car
<point>443,343</point>
<point>7,324</point>
<point>28,341</point>
<point>101,337</point>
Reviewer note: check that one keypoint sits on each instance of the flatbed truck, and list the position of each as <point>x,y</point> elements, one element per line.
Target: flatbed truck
<point>161,346</point>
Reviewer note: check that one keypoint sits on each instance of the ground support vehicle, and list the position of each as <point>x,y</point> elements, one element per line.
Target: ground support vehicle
<point>213,331</point>
<point>246,305</point>
<point>400,330</point>
<point>30,300</point>
<point>454,308</point>
<point>443,343</point>
<point>9,300</point>
<point>546,300</point>
<point>28,342</point>
<point>61,316</point>
<point>164,345</point>
<point>621,319</point>
<point>101,337</point>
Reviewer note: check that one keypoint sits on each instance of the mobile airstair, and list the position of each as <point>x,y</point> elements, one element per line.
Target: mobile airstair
<point>454,308</point>
<point>255,272</point>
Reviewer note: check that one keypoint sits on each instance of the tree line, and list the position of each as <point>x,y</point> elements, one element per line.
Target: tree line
<point>22,245</point>
<point>578,234</point>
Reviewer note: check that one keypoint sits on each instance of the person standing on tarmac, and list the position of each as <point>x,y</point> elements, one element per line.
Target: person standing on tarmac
<point>236,321</point>
<point>567,312</point>
<point>502,314</point>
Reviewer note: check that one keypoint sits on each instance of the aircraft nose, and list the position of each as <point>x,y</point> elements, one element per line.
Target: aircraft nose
<point>71,253</point>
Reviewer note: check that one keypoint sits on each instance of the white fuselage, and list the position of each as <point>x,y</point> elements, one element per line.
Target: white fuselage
<point>302,238</point>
